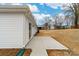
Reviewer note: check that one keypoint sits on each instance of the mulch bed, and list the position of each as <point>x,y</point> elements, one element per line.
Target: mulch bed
<point>27,52</point>
<point>13,52</point>
<point>8,52</point>
<point>57,52</point>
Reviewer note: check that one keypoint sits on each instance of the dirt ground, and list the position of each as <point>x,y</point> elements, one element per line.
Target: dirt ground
<point>68,37</point>
<point>8,52</point>
<point>13,52</point>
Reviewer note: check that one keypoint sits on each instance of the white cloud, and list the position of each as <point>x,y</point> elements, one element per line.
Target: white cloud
<point>40,18</point>
<point>61,14</point>
<point>45,15</point>
<point>65,6</point>
<point>33,8</point>
<point>37,16</point>
<point>41,3</point>
<point>55,5</point>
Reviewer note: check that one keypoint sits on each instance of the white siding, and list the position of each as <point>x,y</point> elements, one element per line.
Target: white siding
<point>11,30</point>
<point>34,30</point>
<point>25,31</point>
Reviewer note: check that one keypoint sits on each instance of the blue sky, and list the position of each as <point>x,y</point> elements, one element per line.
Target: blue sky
<point>41,10</point>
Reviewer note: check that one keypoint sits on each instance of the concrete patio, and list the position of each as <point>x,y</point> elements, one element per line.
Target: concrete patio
<point>39,44</point>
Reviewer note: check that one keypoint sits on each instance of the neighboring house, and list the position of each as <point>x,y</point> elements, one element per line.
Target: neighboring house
<point>43,27</point>
<point>17,26</point>
<point>40,27</point>
<point>51,24</point>
<point>47,26</point>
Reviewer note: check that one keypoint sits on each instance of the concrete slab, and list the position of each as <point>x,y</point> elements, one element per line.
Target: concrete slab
<point>39,44</point>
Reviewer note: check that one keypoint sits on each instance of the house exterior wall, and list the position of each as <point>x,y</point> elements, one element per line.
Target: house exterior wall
<point>25,31</point>
<point>33,23</point>
<point>11,30</point>
<point>14,27</point>
<point>34,30</point>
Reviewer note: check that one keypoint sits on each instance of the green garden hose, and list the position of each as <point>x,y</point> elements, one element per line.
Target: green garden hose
<point>21,52</point>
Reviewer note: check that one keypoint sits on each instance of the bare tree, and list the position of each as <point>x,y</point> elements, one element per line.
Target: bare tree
<point>47,22</point>
<point>73,9</point>
<point>59,19</point>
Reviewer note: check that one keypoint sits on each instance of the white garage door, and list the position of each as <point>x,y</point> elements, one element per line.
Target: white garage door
<point>10,30</point>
